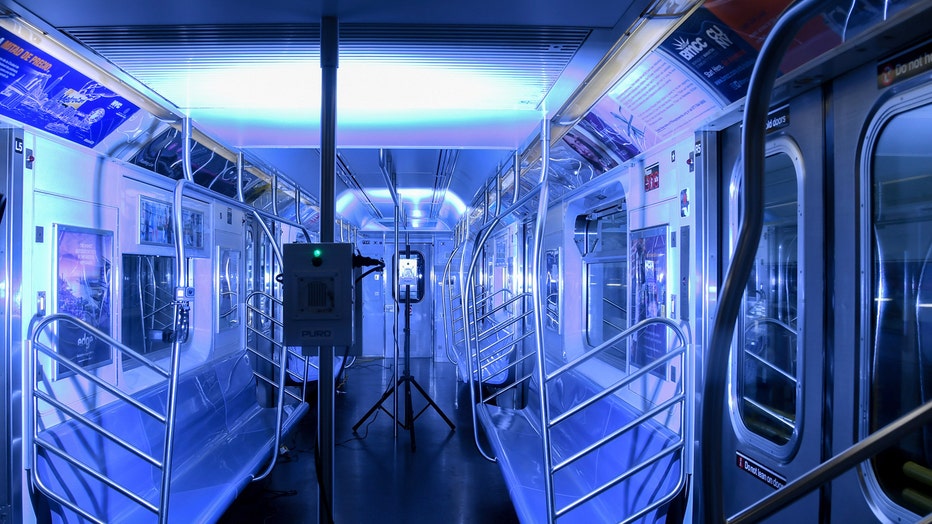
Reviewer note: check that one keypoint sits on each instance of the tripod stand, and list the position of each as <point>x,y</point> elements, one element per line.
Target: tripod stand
<point>407,380</point>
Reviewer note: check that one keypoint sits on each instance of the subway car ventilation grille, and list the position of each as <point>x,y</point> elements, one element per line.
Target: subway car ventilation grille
<point>530,56</point>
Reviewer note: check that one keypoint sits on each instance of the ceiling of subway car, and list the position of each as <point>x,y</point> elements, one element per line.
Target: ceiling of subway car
<point>447,90</point>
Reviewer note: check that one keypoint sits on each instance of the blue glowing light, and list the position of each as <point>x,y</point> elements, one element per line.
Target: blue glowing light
<point>388,104</point>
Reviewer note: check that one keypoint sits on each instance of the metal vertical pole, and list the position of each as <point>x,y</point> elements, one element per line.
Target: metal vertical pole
<point>329,61</point>
<point>540,307</point>
<point>753,141</point>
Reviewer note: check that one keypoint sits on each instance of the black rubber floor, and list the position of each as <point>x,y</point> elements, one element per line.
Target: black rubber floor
<point>378,477</point>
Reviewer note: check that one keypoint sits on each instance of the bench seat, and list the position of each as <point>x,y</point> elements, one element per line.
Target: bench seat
<point>515,436</point>
<point>222,439</point>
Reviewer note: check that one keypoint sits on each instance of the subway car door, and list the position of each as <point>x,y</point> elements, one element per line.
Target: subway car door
<point>884,325</point>
<point>772,426</point>
<point>11,236</point>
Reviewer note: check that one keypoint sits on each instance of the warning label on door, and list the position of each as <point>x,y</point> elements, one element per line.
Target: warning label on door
<point>763,474</point>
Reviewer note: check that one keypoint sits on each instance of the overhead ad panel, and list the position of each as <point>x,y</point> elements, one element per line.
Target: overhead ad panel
<point>721,40</point>
<point>41,91</point>
<point>703,65</point>
<point>650,103</point>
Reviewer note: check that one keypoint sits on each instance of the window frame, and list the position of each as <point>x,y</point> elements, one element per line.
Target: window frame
<point>886,109</point>
<point>747,437</point>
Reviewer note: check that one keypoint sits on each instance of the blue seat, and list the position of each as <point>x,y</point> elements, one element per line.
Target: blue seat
<point>515,436</point>
<point>296,366</point>
<point>222,439</point>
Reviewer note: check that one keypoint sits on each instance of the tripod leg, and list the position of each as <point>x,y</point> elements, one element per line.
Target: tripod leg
<point>434,404</point>
<point>376,406</point>
<point>409,412</point>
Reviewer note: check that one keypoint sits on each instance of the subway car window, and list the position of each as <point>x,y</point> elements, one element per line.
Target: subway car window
<point>607,284</point>
<point>767,371</point>
<point>228,314</point>
<point>148,296</point>
<point>900,350</point>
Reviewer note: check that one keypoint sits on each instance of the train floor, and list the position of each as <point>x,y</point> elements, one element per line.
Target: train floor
<point>378,478</point>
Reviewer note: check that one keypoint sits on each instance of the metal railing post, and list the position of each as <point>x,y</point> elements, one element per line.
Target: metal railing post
<point>757,105</point>
<point>539,308</point>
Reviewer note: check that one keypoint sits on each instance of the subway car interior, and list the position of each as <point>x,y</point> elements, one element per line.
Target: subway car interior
<point>651,261</point>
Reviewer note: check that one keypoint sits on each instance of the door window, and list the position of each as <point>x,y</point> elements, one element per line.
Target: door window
<point>899,354</point>
<point>766,375</point>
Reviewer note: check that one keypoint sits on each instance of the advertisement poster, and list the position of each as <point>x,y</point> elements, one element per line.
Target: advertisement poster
<point>715,53</point>
<point>39,90</point>
<point>589,148</point>
<point>648,263</point>
<point>654,100</point>
<point>84,291</point>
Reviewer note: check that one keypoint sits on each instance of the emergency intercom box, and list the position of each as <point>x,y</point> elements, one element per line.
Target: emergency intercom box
<point>318,291</point>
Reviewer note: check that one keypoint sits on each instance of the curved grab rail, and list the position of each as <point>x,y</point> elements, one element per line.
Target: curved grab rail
<point>34,335</point>
<point>469,294</point>
<point>280,401</point>
<point>770,320</point>
<point>678,399</point>
<point>757,105</point>
<point>576,362</point>
<point>268,233</point>
<point>38,326</point>
<point>490,295</point>
<point>504,305</point>
<point>469,321</point>
<point>763,361</point>
<point>181,293</point>
<point>451,355</point>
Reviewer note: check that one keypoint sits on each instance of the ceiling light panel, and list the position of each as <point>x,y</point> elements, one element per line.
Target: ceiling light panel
<point>275,67</point>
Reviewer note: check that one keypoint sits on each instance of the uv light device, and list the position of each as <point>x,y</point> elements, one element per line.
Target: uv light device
<point>317,281</point>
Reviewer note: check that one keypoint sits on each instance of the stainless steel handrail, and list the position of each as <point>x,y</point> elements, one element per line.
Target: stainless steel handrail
<point>676,328</point>
<point>779,323</point>
<point>181,282</point>
<point>514,298</point>
<point>472,302</point>
<point>644,464</point>
<point>770,365</point>
<point>97,428</point>
<point>444,284</point>
<point>113,390</point>
<point>619,307</point>
<point>40,324</point>
<point>647,415</point>
<point>497,355</point>
<point>769,320</point>
<point>252,297</point>
<point>36,331</point>
<point>539,308</point>
<point>680,398</point>
<point>786,422</point>
<point>99,476</point>
<point>48,492</point>
<point>757,105</point>
<point>835,466</point>
<point>488,295</point>
<point>628,379</point>
<point>496,327</point>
